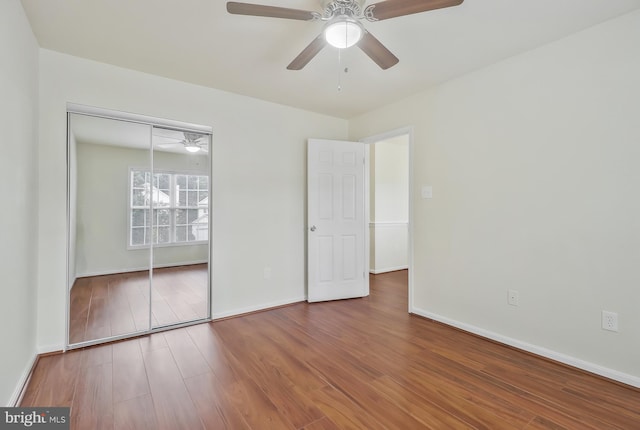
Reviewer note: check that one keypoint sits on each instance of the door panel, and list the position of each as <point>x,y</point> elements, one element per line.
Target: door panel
<point>349,257</point>
<point>109,278</point>
<point>349,199</point>
<point>325,258</point>
<point>336,240</point>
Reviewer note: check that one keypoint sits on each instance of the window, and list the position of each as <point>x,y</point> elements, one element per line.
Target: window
<point>180,208</point>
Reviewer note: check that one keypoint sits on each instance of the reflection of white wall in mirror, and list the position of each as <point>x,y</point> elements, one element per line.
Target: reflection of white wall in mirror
<point>103,199</point>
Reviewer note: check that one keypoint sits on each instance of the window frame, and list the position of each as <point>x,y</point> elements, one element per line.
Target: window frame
<point>172,208</point>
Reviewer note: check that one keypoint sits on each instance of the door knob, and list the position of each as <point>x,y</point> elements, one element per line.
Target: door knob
<point>312,228</point>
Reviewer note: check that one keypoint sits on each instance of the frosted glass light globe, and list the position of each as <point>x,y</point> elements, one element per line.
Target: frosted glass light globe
<point>343,33</point>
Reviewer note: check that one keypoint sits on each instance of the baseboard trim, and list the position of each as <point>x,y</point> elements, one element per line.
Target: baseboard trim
<point>140,269</point>
<point>596,369</point>
<point>21,386</point>
<point>257,308</point>
<point>50,350</point>
<point>388,269</point>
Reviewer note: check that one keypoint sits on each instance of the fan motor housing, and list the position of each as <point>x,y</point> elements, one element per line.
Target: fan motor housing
<point>330,7</point>
<point>326,3</point>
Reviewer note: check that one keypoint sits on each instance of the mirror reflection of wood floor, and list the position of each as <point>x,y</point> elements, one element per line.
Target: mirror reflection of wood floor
<point>349,364</point>
<point>110,305</point>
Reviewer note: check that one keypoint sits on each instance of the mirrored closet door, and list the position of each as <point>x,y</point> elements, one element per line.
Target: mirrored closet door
<point>138,200</point>
<point>180,292</point>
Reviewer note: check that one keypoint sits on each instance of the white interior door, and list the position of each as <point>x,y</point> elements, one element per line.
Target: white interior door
<point>336,224</point>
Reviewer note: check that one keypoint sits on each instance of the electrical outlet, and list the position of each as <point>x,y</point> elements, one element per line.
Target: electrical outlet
<point>512,297</point>
<point>609,321</point>
<point>266,274</point>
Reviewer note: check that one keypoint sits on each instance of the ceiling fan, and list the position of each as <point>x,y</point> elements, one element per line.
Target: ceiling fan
<point>179,140</point>
<point>343,28</point>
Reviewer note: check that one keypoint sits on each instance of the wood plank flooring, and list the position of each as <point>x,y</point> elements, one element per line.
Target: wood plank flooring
<point>351,364</point>
<point>111,305</point>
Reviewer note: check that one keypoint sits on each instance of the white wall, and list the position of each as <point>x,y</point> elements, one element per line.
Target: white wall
<point>102,217</point>
<point>534,167</point>
<point>259,153</point>
<point>18,217</point>
<point>390,204</point>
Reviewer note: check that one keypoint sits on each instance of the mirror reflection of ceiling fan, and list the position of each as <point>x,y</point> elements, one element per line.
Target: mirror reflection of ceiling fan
<point>343,28</point>
<point>177,140</point>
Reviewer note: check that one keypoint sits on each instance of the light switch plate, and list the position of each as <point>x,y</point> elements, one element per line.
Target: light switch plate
<point>427,192</point>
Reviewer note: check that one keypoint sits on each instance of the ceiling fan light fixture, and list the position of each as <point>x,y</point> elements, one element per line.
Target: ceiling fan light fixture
<point>343,32</point>
<point>192,147</point>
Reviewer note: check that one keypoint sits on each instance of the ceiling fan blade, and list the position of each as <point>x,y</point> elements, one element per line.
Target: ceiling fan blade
<point>393,8</point>
<point>377,51</point>
<point>269,11</point>
<point>308,53</point>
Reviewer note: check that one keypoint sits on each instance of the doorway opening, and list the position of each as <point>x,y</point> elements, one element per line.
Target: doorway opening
<point>388,194</point>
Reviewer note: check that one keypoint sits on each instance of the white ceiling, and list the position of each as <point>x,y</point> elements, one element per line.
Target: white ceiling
<point>198,41</point>
<point>104,131</point>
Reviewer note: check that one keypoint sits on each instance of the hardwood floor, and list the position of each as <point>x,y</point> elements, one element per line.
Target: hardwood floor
<point>351,364</point>
<point>110,305</point>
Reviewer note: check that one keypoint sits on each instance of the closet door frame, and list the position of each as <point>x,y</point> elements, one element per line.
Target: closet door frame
<point>73,108</point>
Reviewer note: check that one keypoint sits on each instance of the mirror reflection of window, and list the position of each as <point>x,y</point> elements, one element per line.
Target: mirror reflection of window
<point>181,208</point>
